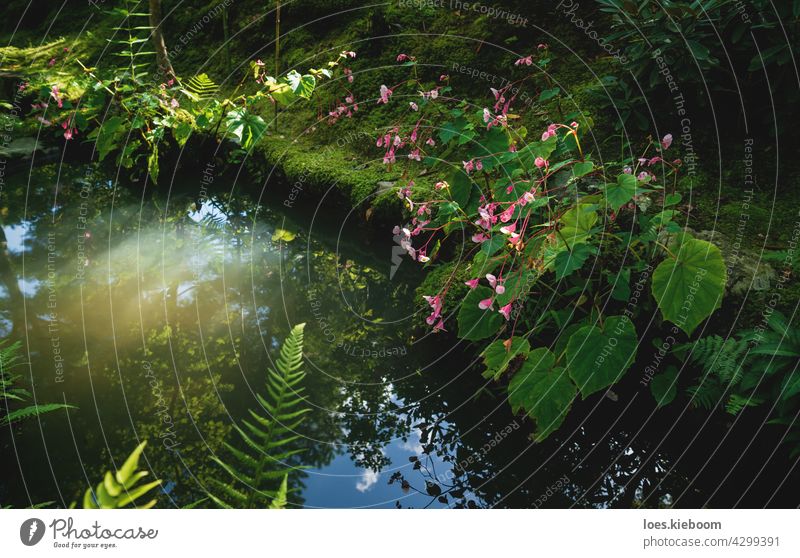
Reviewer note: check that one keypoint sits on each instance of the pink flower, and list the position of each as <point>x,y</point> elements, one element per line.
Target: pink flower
<point>574,125</point>
<point>643,175</point>
<point>478,165</point>
<point>443,77</point>
<point>506,215</point>
<point>485,303</point>
<point>526,198</point>
<point>540,162</point>
<point>499,289</point>
<point>431,142</point>
<point>653,161</point>
<point>509,228</point>
<point>478,238</point>
<point>349,73</point>
<point>56,95</point>
<point>68,133</point>
<point>506,311</point>
<point>627,170</point>
<point>666,141</point>
<point>468,166</point>
<point>441,185</point>
<point>541,46</point>
<point>174,103</point>
<point>472,283</point>
<point>385,94</point>
<point>414,155</point>
<point>413,106</point>
<point>527,61</point>
<point>439,326</point>
<point>492,280</point>
<point>402,57</point>
<point>51,62</point>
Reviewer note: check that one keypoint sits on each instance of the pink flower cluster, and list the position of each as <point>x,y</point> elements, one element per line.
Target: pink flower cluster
<point>496,284</point>
<point>346,109</point>
<point>435,302</point>
<point>385,93</point>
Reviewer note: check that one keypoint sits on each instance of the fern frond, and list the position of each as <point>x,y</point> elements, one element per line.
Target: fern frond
<point>201,88</point>
<point>269,439</point>
<point>120,489</point>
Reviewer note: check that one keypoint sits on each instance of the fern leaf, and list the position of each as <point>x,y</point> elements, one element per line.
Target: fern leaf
<point>201,88</point>
<point>269,439</point>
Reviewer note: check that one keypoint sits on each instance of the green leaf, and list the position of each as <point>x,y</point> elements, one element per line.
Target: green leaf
<point>182,132</point>
<point>689,284</point>
<point>279,502</point>
<point>582,169</point>
<point>152,163</point>
<point>302,85</point>
<point>577,223</point>
<point>621,192</point>
<point>598,356</point>
<point>107,136</point>
<point>543,390</point>
<point>245,128</point>
<point>491,246</point>
<point>283,235</point>
<point>664,386</point>
<point>130,465</point>
<point>548,94</point>
<point>497,356</point>
<point>460,187</point>
<point>567,262</point>
<point>475,324</point>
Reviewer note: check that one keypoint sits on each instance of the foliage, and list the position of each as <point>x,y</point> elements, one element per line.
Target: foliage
<point>11,394</point>
<point>756,367</point>
<point>268,438</point>
<point>540,220</point>
<point>129,113</point>
<point>702,43</point>
<point>122,489</point>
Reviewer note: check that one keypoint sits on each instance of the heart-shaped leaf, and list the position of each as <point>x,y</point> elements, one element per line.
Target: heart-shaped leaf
<point>598,356</point>
<point>689,284</point>
<point>543,390</point>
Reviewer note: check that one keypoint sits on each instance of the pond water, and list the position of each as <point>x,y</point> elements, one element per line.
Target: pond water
<point>156,312</point>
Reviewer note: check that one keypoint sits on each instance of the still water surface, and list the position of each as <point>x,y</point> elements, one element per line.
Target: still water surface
<point>156,314</point>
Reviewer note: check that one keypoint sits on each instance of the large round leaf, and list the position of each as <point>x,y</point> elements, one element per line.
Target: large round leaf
<point>474,323</point>
<point>543,390</point>
<point>599,356</point>
<point>688,286</point>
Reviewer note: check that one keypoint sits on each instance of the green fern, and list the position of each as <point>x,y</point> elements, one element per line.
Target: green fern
<point>11,393</point>
<point>201,88</point>
<point>121,489</point>
<point>258,472</point>
<point>129,39</point>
